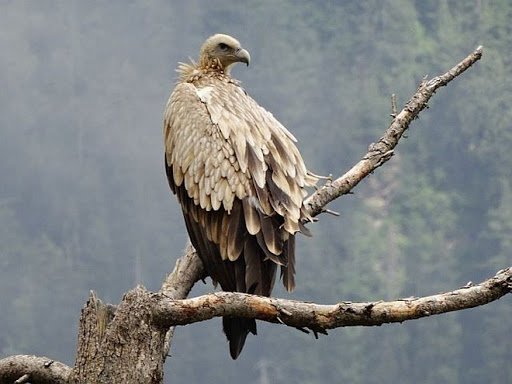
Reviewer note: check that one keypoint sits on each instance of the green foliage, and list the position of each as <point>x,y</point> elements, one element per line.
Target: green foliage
<point>84,202</point>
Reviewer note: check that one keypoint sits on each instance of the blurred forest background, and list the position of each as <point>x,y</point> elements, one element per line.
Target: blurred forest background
<point>84,203</point>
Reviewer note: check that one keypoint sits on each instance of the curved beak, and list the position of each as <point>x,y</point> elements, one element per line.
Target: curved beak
<point>243,56</point>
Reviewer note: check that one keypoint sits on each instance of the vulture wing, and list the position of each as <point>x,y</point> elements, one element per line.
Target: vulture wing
<point>240,181</point>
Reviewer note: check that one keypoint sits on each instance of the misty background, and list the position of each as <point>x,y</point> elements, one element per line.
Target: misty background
<point>85,205</point>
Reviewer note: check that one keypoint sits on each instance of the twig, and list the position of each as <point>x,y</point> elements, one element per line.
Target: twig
<point>394,110</point>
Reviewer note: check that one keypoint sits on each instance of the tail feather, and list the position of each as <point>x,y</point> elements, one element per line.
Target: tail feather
<point>236,330</point>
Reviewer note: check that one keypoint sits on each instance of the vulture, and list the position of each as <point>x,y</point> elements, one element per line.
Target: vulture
<point>238,176</point>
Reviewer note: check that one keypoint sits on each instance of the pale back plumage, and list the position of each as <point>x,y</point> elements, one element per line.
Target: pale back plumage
<point>239,179</point>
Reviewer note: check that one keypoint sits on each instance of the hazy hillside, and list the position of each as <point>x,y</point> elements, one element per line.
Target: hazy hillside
<point>84,203</point>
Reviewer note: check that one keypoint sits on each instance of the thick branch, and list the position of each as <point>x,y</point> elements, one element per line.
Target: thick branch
<point>320,317</point>
<point>177,285</point>
<point>40,370</point>
<point>111,344</point>
<point>186,273</point>
<point>380,152</point>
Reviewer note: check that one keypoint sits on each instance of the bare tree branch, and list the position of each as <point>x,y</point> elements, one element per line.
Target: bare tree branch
<point>186,273</point>
<point>318,317</point>
<point>177,285</point>
<point>40,370</point>
<point>380,152</point>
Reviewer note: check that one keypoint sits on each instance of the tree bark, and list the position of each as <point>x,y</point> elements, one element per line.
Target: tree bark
<point>125,348</point>
<point>130,347</point>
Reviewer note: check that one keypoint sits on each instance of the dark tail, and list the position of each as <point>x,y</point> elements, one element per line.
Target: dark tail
<point>236,330</point>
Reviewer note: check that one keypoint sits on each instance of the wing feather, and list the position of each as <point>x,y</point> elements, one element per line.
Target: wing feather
<point>252,220</point>
<point>236,232</point>
<point>254,268</point>
<point>257,168</point>
<point>288,271</point>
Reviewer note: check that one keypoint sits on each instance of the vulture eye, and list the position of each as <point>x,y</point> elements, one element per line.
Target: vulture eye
<point>223,47</point>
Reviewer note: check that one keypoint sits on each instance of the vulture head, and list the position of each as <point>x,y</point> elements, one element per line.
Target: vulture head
<point>224,49</point>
